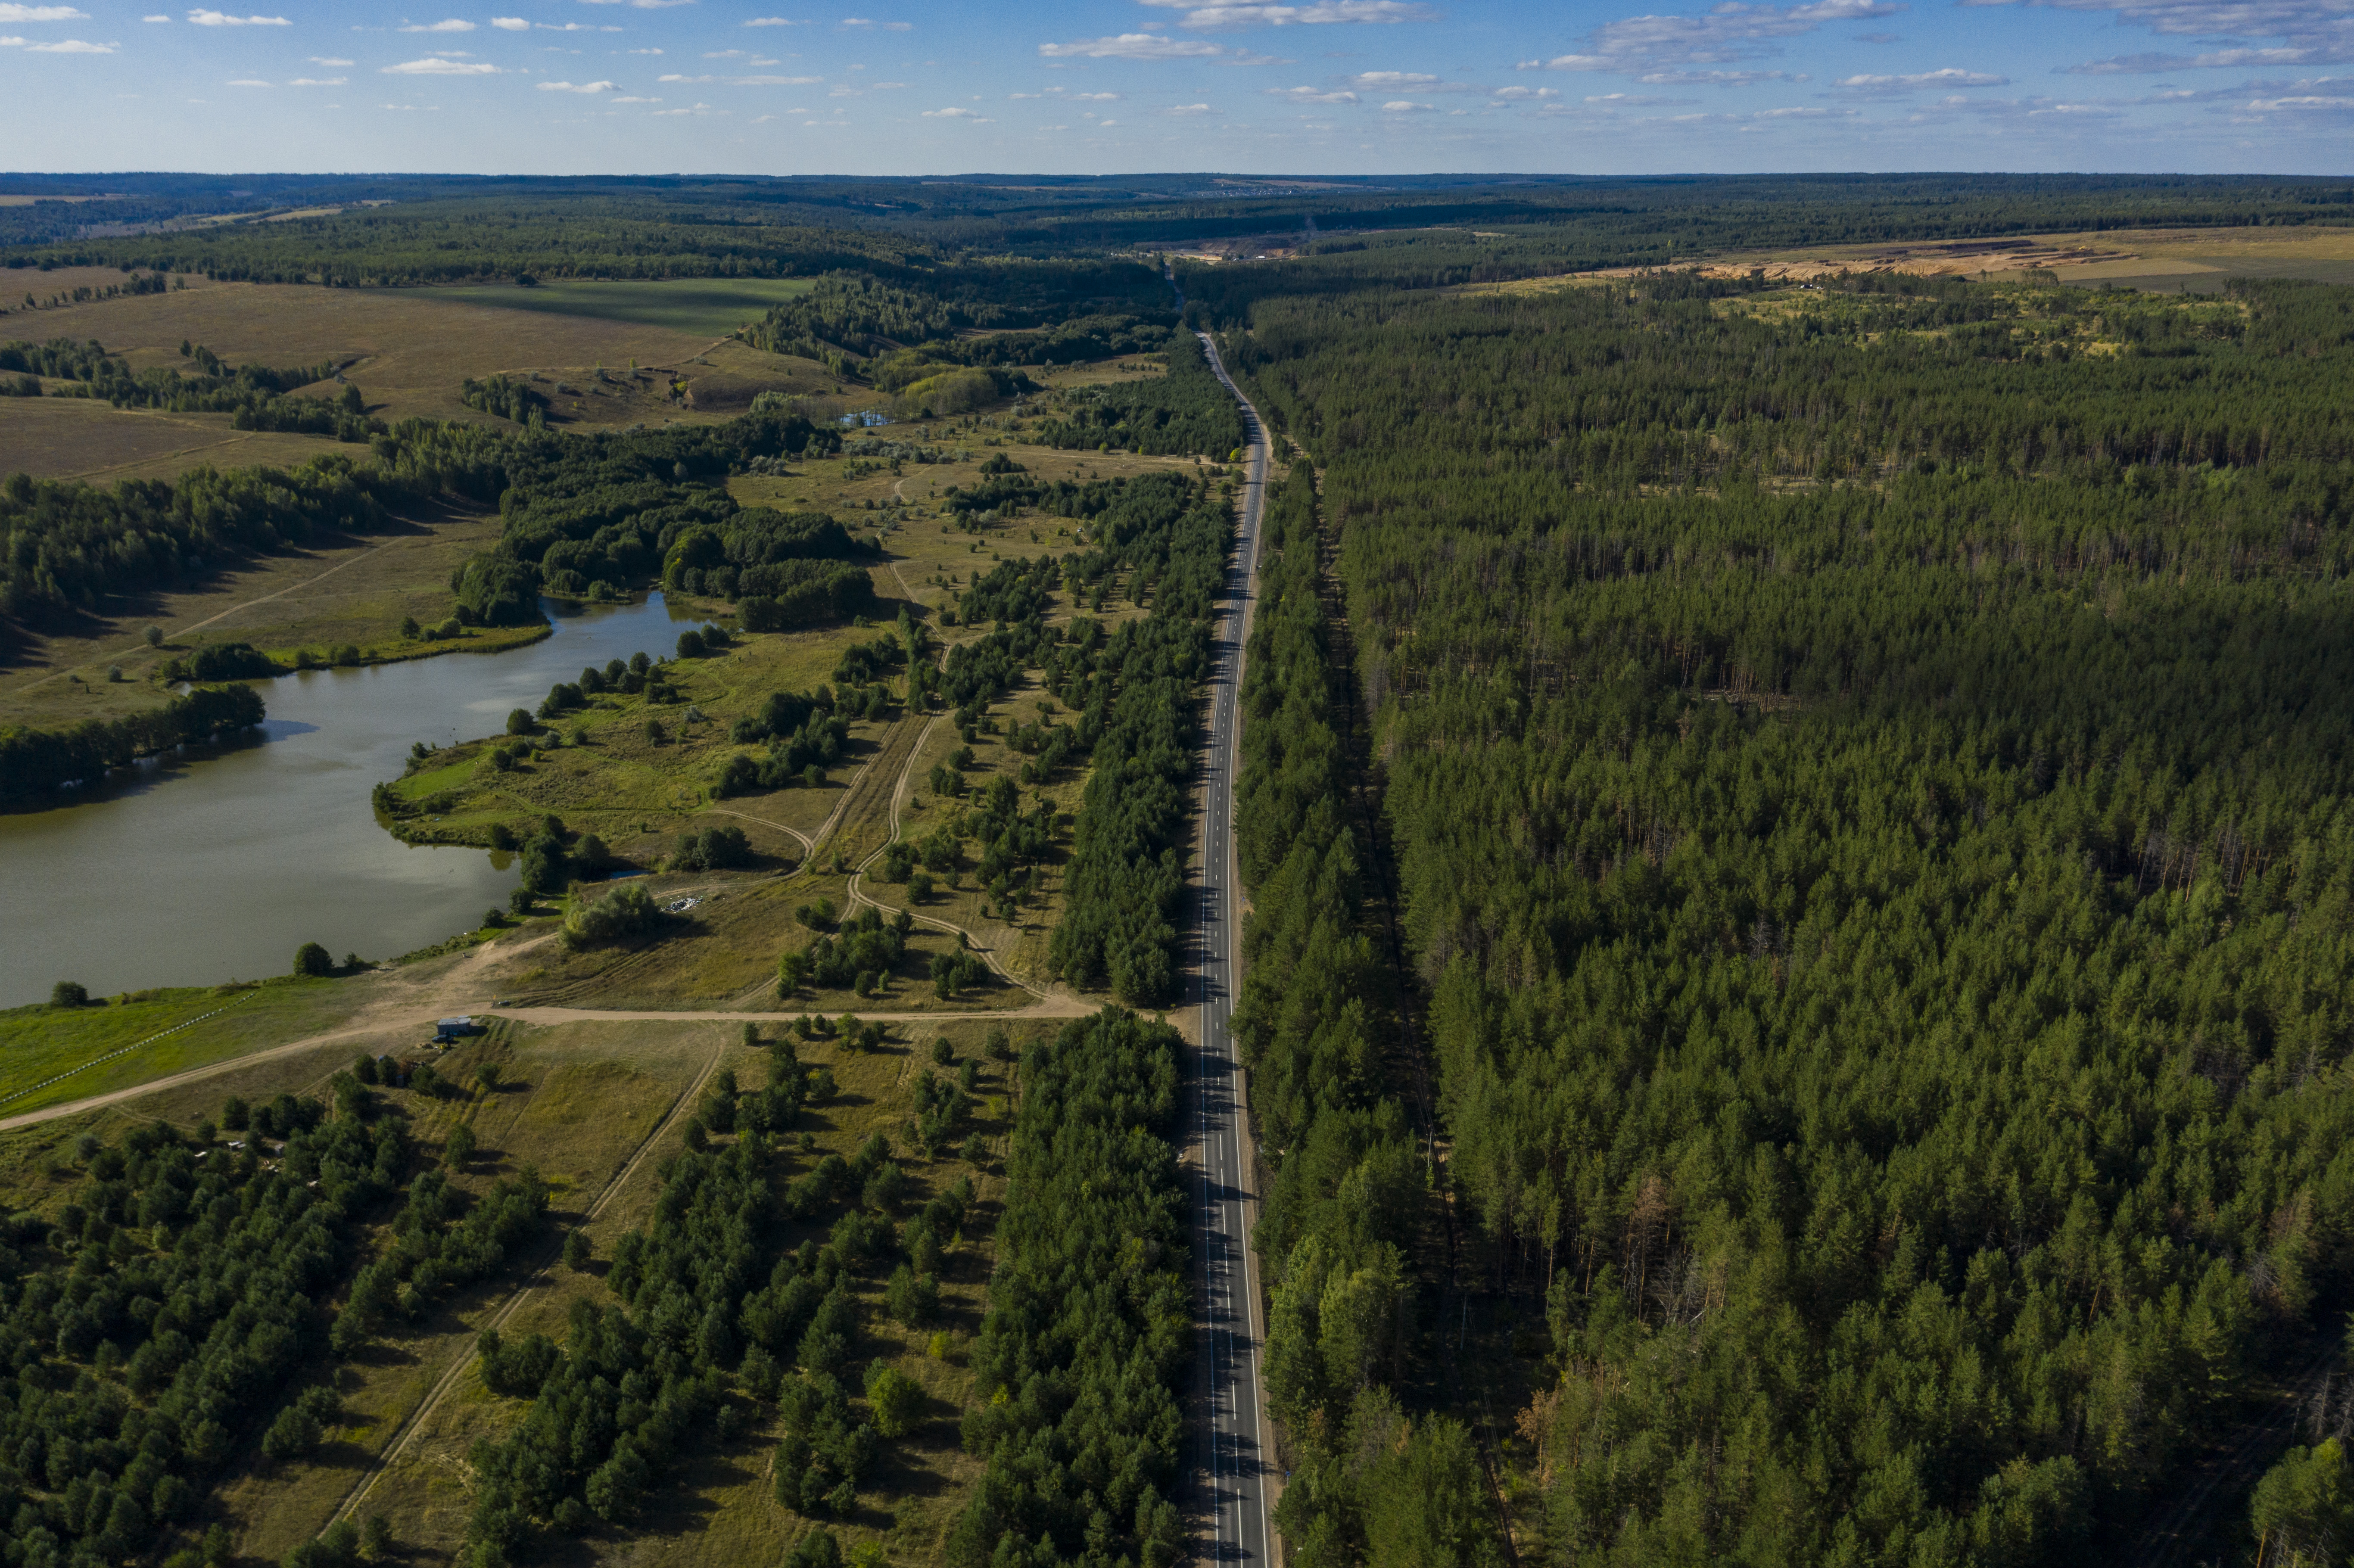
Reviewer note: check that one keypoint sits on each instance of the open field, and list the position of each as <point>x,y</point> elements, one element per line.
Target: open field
<point>2163,260</point>
<point>408,350</point>
<point>710,307</point>
<point>80,438</point>
<point>55,1055</point>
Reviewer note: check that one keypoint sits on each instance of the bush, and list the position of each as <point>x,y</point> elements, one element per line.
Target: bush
<point>895,1398</point>
<point>68,994</point>
<point>314,960</point>
<point>627,911</point>
<point>295,1433</point>
<point>458,1147</point>
<point>577,1251</point>
<point>153,636</point>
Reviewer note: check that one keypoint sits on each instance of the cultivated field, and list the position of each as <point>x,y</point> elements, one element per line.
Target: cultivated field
<point>707,307</point>
<point>408,350</point>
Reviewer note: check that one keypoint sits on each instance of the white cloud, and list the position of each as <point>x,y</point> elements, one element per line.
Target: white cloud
<point>510,24</point>
<point>573,27</point>
<point>1188,111</point>
<point>640,4</point>
<point>223,20</point>
<point>956,114</point>
<point>1730,31</point>
<point>1372,78</point>
<point>2211,60</point>
<point>645,51</point>
<point>772,22</point>
<point>15,14</point>
<point>1405,106</point>
<point>1319,13</point>
<point>584,87</point>
<point>440,65</point>
<point>1719,78</point>
<point>1309,95</point>
<point>1131,46</point>
<point>155,19</point>
<point>878,87</point>
<point>675,77</point>
<point>328,60</point>
<point>62,46</point>
<point>1917,82</point>
<point>1095,98</point>
<point>773,81</point>
<point>858,21</point>
<point>452,25</point>
<point>317,81</point>
<point>2311,31</point>
<point>899,26</point>
<point>1515,94</point>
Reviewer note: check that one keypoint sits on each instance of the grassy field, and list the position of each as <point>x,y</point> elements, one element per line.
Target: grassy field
<point>50,1056</point>
<point>712,307</point>
<point>639,794</point>
<point>2165,260</point>
<point>78,438</point>
<point>324,595</point>
<point>411,350</point>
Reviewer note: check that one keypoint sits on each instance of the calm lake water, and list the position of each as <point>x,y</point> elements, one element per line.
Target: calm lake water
<point>218,865</point>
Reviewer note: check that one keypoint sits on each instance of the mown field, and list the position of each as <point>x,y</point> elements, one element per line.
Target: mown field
<point>711,307</point>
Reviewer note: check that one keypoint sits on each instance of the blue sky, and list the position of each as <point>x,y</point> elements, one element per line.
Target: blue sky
<point>1105,86</point>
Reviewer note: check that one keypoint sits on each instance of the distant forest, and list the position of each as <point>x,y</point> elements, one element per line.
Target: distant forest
<point>430,230</point>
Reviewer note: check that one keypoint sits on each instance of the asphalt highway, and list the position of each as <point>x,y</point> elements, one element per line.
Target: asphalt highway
<point>1234,1465</point>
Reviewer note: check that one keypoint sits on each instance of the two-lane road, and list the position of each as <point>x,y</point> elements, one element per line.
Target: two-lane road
<point>1237,1454</point>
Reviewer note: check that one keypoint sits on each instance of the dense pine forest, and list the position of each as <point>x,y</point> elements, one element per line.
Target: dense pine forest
<point>1868,777</point>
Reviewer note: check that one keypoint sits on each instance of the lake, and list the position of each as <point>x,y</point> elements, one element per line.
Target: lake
<point>218,864</point>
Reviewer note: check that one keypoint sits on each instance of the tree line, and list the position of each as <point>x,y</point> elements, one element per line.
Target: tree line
<point>1343,1226</point>
<point>35,761</point>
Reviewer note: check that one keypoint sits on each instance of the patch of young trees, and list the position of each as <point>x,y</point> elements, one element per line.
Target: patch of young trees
<point>1187,410</point>
<point>713,1303</point>
<point>1137,692</point>
<point>1088,1335</point>
<point>166,1314</point>
<point>1341,1227</point>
